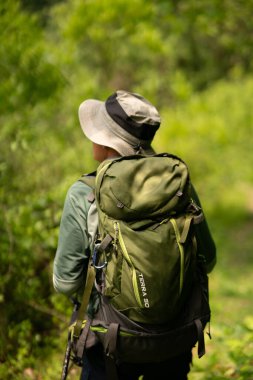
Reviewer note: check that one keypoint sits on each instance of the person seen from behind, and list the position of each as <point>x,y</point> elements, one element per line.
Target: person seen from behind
<point>125,124</point>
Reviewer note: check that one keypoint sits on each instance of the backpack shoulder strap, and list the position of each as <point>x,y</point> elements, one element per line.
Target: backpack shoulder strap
<point>77,326</point>
<point>89,179</point>
<point>92,217</point>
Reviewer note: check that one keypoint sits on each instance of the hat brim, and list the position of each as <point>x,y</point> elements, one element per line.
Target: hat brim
<point>99,128</point>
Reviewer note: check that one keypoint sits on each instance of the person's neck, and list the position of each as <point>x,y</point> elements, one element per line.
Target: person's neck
<point>111,153</point>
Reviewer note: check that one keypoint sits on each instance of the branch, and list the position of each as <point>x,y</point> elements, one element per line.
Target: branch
<point>47,311</point>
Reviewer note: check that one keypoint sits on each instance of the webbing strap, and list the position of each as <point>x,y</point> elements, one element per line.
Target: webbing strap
<point>82,340</point>
<point>111,351</point>
<point>111,339</point>
<point>105,243</point>
<point>195,219</point>
<point>186,229</point>
<point>201,339</point>
<point>86,296</point>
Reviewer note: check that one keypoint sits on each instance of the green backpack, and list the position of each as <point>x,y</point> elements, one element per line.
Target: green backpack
<point>153,288</point>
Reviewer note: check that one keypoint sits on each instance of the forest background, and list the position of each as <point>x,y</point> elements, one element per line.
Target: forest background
<point>194,60</point>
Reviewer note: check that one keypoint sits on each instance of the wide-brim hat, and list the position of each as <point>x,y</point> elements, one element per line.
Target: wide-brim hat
<point>126,122</point>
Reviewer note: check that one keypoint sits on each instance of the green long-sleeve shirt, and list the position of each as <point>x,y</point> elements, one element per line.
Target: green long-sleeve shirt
<point>72,255</point>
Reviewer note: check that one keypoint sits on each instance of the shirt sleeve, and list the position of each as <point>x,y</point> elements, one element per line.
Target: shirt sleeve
<point>205,242</point>
<point>72,255</point>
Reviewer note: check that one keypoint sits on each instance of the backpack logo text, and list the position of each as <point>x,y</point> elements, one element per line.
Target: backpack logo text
<point>144,290</point>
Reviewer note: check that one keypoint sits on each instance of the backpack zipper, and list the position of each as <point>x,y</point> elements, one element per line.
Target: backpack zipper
<point>181,251</point>
<point>127,258</point>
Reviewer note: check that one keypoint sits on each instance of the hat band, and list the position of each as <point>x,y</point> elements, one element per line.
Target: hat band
<point>142,131</point>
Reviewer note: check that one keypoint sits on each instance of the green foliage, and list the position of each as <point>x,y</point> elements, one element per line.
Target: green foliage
<point>28,218</point>
<point>106,48</point>
<point>212,38</point>
<point>56,54</point>
<point>215,122</point>
<point>155,44</point>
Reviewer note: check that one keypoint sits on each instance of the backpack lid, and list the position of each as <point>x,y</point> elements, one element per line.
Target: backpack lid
<point>137,187</point>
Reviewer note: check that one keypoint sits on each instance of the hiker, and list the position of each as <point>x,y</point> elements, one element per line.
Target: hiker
<point>125,124</point>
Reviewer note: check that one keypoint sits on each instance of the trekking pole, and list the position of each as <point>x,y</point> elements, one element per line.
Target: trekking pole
<point>67,356</point>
